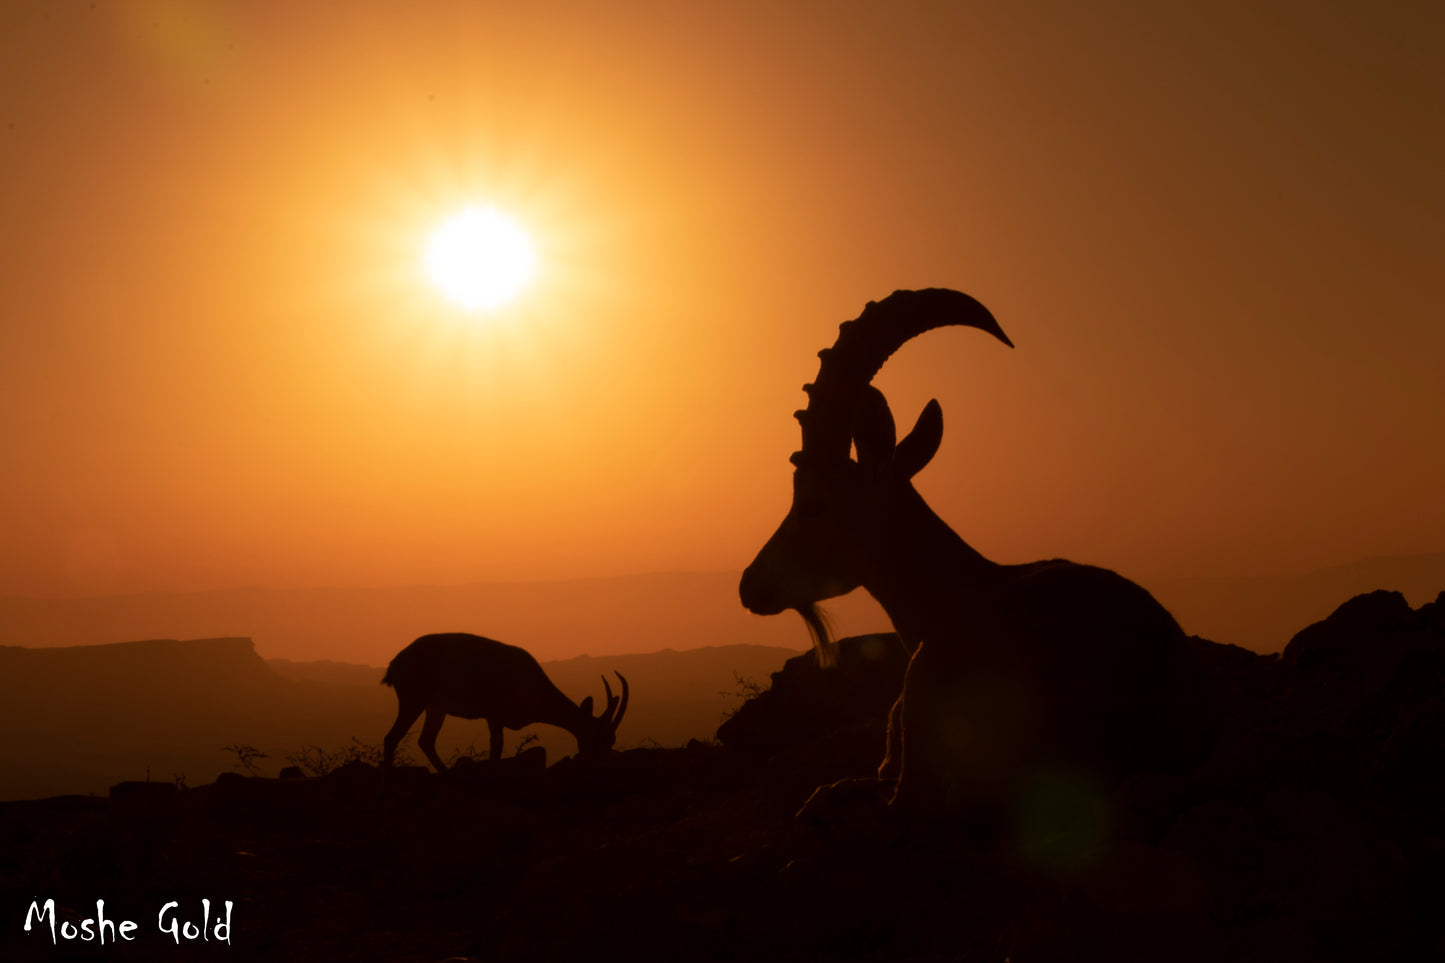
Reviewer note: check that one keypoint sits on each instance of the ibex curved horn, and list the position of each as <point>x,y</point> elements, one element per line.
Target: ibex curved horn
<point>863,345</point>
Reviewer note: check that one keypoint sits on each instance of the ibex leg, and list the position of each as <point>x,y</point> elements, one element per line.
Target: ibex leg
<point>406,715</point>
<point>918,733</point>
<point>428,739</point>
<point>494,748</point>
<point>893,755</point>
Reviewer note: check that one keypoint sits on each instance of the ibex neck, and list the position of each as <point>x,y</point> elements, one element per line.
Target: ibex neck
<point>925,569</point>
<point>563,713</point>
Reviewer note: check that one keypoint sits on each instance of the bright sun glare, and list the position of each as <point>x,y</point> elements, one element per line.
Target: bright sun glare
<point>480,259</point>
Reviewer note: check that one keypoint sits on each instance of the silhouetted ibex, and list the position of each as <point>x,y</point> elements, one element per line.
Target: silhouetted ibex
<point>477,678</point>
<point>1017,670</point>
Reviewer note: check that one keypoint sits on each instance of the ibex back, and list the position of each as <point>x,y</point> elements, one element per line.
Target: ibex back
<point>478,678</point>
<point>1016,669</point>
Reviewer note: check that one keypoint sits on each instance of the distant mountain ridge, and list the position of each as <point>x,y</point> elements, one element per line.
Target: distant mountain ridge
<point>553,620</point>
<point>78,719</point>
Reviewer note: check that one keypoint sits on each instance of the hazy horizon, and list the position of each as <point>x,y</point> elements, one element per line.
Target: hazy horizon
<point>633,614</point>
<point>1209,575</point>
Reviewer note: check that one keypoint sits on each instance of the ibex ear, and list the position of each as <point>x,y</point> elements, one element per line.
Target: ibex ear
<point>873,429</point>
<point>918,448</point>
<point>587,705</point>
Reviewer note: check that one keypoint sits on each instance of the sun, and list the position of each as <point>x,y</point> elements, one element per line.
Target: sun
<point>480,259</point>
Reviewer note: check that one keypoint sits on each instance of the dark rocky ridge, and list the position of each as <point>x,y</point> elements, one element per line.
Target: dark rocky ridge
<point>1313,833</point>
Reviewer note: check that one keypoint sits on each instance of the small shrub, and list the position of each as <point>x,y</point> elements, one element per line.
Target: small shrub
<point>316,761</point>
<point>471,751</point>
<point>744,688</point>
<point>246,756</point>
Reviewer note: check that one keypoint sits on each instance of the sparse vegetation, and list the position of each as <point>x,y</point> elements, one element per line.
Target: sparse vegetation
<point>469,751</point>
<point>316,761</point>
<point>472,751</point>
<point>744,688</point>
<point>246,756</point>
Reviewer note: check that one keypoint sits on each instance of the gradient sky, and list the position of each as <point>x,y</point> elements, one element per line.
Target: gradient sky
<point>1215,235</point>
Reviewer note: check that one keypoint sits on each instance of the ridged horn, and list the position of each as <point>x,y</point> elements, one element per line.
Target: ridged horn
<point>863,345</point>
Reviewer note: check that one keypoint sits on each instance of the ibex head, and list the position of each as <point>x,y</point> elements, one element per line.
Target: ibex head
<point>843,508</point>
<point>597,735</point>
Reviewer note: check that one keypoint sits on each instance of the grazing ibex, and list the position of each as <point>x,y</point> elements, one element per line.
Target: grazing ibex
<point>477,678</point>
<point>1017,669</point>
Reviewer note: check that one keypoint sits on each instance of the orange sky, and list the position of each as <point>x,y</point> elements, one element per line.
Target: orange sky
<point>1216,239</point>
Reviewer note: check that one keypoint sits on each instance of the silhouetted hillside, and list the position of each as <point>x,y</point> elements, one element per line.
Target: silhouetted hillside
<point>841,711</point>
<point>78,719</point>
<point>1311,834</point>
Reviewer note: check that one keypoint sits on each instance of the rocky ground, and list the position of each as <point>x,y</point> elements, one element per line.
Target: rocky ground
<point>1313,833</point>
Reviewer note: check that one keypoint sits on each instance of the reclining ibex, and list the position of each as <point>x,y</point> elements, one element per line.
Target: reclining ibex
<point>477,678</point>
<point>1017,669</point>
